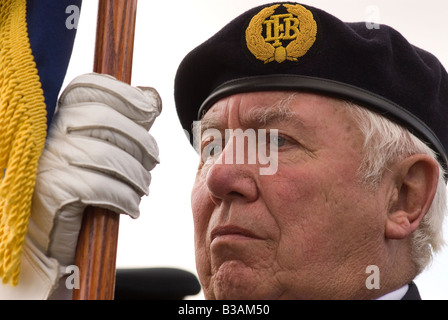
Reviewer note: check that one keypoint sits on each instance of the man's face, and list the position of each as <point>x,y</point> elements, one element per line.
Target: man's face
<point>308,231</point>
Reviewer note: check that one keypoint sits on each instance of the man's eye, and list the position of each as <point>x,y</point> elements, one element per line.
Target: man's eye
<point>211,149</point>
<point>278,140</point>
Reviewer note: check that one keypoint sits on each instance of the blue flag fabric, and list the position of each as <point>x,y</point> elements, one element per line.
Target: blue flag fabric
<point>52,29</point>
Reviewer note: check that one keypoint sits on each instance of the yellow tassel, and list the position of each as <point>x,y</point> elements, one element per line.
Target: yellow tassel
<point>22,134</point>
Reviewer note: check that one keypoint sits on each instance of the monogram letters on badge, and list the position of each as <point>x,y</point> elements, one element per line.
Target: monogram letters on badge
<point>268,32</point>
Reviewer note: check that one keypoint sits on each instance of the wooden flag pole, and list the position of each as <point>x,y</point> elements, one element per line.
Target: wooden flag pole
<point>97,243</point>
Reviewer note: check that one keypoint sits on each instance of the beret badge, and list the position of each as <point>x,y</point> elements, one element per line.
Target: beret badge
<point>273,36</point>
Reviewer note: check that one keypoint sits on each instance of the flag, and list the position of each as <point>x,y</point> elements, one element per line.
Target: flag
<point>36,41</point>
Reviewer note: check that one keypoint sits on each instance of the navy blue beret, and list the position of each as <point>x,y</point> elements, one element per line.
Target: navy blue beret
<point>288,46</point>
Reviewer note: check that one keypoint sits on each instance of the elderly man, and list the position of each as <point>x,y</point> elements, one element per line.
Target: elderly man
<point>356,123</point>
<point>323,158</point>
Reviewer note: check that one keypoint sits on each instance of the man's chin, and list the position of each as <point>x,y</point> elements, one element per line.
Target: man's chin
<point>234,280</point>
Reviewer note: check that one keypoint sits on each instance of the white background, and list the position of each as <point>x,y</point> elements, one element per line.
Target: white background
<point>166,31</point>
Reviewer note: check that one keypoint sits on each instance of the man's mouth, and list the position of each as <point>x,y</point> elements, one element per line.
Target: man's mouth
<point>232,232</point>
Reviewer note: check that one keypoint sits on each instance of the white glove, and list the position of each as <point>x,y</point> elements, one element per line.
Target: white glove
<point>98,153</point>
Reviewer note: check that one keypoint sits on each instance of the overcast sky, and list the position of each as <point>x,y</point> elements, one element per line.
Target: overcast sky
<point>166,31</point>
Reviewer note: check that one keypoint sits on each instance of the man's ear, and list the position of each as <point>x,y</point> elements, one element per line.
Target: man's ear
<point>416,180</point>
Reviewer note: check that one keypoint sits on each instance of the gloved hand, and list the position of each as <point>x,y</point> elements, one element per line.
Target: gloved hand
<point>98,153</point>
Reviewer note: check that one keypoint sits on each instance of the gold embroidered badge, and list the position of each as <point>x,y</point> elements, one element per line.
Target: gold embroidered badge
<point>268,32</point>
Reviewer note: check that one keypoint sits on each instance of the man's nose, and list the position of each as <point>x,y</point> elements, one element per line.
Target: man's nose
<point>232,181</point>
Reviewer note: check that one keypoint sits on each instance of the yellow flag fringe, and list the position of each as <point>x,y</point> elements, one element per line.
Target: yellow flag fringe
<point>22,134</point>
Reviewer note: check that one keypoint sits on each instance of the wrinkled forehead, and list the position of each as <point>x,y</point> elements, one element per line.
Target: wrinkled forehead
<point>259,108</point>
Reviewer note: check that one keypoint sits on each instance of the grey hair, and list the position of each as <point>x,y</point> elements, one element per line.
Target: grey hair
<point>384,143</point>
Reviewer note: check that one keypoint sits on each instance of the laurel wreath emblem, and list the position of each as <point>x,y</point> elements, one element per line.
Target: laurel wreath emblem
<point>297,48</point>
